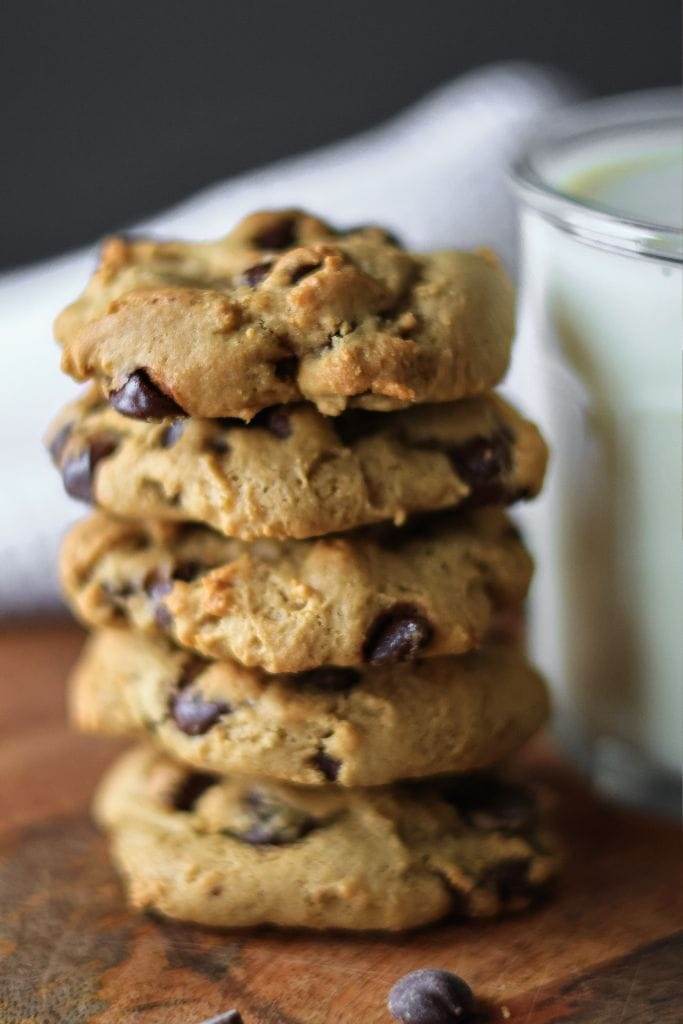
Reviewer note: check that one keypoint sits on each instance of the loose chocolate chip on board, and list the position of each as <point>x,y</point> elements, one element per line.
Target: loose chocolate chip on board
<point>328,767</point>
<point>193,714</point>
<point>140,398</point>
<point>57,444</point>
<point>398,634</point>
<point>431,997</point>
<point>78,471</point>
<point>488,803</point>
<point>191,788</point>
<point>329,679</point>
<point>171,434</point>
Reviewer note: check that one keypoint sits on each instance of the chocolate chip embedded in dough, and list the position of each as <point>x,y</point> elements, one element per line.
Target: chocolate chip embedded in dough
<point>78,471</point>
<point>142,399</point>
<point>194,714</point>
<point>398,634</point>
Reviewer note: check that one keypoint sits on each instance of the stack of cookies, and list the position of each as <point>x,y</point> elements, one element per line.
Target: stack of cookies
<point>301,577</point>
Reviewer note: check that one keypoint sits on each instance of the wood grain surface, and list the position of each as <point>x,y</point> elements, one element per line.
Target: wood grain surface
<point>607,950</point>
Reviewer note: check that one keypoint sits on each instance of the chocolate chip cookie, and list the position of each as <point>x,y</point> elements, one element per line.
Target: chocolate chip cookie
<point>292,472</point>
<point>354,726</point>
<point>376,596</point>
<point>228,851</point>
<point>285,308</point>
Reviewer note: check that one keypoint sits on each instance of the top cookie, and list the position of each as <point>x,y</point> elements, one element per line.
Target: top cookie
<point>285,308</point>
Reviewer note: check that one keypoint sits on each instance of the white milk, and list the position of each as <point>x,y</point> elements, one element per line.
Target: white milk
<point>600,361</point>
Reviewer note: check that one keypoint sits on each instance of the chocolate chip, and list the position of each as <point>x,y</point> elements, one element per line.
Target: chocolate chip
<point>431,997</point>
<point>142,399</point>
<point>273,823</point>
<point>191,788</point>
<point>275,419</point>
<point>58,443</point>
<point>487,802</point>
<point>398,634</point>
<point>286,369</point>
<point>193,714</point>
<point>482,463</point>
<point>330,678</point>
<point>253,276</point>
<point>157,586</point>
<point>79,470</point>
<point>327,766</point>
<point>171,434</point>
<point>279,235</point>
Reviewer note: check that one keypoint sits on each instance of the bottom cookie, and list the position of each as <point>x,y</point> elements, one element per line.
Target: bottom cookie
<point>236,852</point>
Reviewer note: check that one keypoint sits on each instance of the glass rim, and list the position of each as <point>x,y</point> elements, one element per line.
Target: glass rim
<point>591,221</point>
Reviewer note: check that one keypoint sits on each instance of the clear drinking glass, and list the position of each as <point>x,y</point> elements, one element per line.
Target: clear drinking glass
<point>598,364</point>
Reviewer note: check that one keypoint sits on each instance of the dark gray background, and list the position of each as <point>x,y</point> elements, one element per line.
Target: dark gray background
<point>113,110</point>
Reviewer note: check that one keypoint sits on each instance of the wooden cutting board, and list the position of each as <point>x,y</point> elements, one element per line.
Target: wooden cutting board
<point>607,950</point>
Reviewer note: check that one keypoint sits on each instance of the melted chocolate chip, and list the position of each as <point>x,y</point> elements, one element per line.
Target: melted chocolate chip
<point>171,434</point>
<point>286,369</point>
<point>274,823</point>
<point>327,766</point>
<point>140,398</point>
<point>431,997</point>
<point>78,471</point>
<point>193,714</point>
<point>482,462</point>
<point>191,788</point>
<point>253,276</point>
<point>398,634</point>
<point>330,678</point>
<point>279,234</point>
<point>486,802</point>
<point>58,443</point>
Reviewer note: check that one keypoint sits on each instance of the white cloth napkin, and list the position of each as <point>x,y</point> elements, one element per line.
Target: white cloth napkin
<point>435,174</point>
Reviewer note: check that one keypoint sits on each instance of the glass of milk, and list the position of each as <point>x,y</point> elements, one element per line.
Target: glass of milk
<point>598,364</point>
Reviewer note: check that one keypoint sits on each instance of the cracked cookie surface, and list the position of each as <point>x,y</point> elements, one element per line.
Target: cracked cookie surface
<point>238,852</point>
<point>356,727</point>
<point>285,308</point>
<point>379,595</point>
<point>292,472</point>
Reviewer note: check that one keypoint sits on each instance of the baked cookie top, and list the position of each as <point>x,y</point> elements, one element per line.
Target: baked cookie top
<point>236,851</point>
<point>285,308</point>
<point>292,472</point>
<point>378,595</point>
<point>357,727</point>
